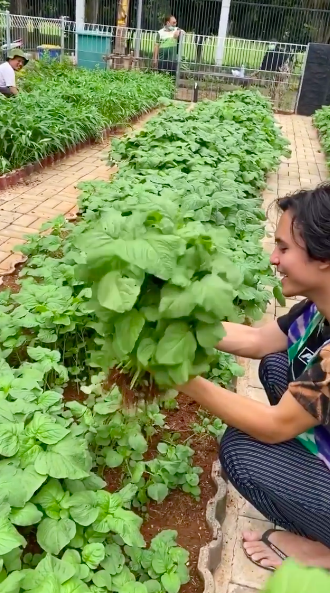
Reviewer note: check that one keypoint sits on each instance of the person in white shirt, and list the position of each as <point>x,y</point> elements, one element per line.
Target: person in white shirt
<point>15,61</point>
<point>165,55</point>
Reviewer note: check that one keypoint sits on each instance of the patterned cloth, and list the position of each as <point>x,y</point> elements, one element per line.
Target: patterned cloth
<point>311,388</point>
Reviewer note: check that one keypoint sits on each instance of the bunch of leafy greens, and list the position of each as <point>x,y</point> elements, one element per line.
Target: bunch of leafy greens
<point>64,105</point>
<point>180,256</point>
<point>180,253</point>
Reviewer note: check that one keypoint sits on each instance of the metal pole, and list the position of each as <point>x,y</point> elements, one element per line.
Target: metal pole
<point>138,29</point>
<point>178,66</point>
<point>80,23</point>
<point>222,31</point>
<point>62,37</point>
<point>80,14</point>
<point>8,41</point>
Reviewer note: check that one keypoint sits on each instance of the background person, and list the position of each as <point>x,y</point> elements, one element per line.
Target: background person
<point>15,61</point>
<point>165,56</point>
<point>278,456</point>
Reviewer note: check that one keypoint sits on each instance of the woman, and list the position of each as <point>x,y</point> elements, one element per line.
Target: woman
<point>165,55</point>
<point>278,456</point>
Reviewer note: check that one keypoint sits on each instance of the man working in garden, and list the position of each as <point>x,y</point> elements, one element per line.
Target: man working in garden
<point>278,456</point>
<point>165,55</point>
<point>15,61</point>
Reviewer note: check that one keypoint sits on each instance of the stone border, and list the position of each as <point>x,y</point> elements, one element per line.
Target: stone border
<point>210,555</point>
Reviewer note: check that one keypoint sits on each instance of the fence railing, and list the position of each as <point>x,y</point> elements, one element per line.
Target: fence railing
<point>202,65</point>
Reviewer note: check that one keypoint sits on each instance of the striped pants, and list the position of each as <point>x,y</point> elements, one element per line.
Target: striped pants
<point>285,482</point>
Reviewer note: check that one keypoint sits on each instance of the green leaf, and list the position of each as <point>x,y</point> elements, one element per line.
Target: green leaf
<point>69,458</point>
<point>134,587</point>
<point>53,536</point>
<point>45,429</point>
<point>171,582</point>
<point>177,345</point>
<point>138,443</point>
<point>145,351</point>
<point>278,295</point>
<point>12,583</point>
<point>117,293</point>
<point>83,507</point>
<point>157,492</point>
<point>176,302</point>
<point>113,458</point>
<point>128,329</point>
<point>9,438</point>
<point>9,537</point>
<point>28,515</point>
<point>60,568</point>
<point>74,585</point>
<point>102,579</point>
<point>93,554</point>
<point>208,335</point>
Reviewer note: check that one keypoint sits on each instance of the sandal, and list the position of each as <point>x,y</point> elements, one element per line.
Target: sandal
<point>265,540</point>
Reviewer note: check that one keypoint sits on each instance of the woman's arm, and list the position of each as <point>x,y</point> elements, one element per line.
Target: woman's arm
<point>269,424</point>
<point>253,342</point>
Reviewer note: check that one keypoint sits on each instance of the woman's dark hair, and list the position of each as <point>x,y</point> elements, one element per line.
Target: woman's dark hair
<point>310,211</point>
<point>168,18</point>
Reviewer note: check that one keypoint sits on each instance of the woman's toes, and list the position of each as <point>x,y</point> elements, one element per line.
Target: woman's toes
<point>271,562</point>
<point>254,547</point>
<point>252,536</point>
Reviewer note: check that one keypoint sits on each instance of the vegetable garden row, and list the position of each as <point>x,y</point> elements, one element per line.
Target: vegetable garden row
<point>121,307</point>
<point>63,106</point>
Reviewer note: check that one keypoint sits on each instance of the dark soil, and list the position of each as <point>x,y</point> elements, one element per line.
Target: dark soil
<point>180,511</point>
<point>11,280</point>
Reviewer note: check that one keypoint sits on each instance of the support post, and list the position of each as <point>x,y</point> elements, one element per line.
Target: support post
<point>8,40</point>
<point>80,14</point>
<point>138,29</point>
<point>222,31</point>
<point>62,37</point>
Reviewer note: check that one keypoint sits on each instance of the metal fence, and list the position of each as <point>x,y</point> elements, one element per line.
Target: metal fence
<point>203,66</point>
<point>294,21</point>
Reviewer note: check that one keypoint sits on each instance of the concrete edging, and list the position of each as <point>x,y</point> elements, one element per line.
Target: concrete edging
<point>210,555</point>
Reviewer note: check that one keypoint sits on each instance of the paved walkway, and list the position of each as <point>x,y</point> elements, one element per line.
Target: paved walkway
<point>306,168</point>
<point>42,196</point>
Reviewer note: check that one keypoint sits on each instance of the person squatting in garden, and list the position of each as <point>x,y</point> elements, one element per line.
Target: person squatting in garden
<point>165,56</point>
<point>278,456</point>
<point>15,61</point>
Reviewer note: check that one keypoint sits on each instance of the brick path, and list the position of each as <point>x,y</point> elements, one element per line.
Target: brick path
<point>306,168</point>
<point>26,206</point>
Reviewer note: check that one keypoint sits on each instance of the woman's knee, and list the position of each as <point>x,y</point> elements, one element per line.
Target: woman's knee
<point>273,375</point>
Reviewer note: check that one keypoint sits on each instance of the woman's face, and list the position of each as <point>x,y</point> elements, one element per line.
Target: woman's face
<point>300,275</point>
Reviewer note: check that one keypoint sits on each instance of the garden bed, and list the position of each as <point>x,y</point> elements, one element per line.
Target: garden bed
<point>113,291</point>
<point>61,107</point>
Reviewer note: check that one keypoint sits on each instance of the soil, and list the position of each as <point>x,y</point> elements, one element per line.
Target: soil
<point>180,511</point>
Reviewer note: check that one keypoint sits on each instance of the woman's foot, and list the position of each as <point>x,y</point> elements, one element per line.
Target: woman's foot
<point>294,546</point>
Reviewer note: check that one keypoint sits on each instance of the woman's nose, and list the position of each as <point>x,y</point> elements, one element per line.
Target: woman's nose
<point>274,259</point>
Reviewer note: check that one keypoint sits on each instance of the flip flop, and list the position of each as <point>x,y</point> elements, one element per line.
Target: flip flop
<point>269,544</point>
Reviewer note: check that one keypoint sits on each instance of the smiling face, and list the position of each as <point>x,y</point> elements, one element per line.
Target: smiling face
<point>17,63</point>
<point>300,275</point>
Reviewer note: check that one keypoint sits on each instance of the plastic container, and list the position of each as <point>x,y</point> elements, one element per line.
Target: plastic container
<point>54,51</point>
<point>91,47</point>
